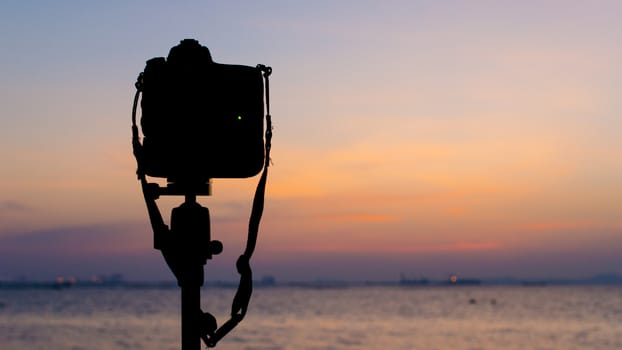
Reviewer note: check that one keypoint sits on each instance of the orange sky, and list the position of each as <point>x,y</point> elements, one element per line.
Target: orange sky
<point>405,133</point>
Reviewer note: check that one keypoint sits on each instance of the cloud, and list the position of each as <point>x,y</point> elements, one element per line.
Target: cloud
<point>10,206</point>
<point>359,217</point>
<point>81,251</point>
<point>404,248</point>
<point>96,239</point>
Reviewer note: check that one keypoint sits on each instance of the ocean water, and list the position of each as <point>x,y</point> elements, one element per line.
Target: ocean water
<point>456,318</point>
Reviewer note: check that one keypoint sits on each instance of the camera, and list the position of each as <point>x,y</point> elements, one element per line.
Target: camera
<point>201,119</point>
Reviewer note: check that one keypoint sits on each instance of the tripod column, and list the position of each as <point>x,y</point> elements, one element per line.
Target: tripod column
<point>190,232</point>
<point>190,312</point>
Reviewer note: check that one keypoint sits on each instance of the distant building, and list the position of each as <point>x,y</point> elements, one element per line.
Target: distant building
<point>454,280</point>
<point>267,281</point>
<point>404,281</point>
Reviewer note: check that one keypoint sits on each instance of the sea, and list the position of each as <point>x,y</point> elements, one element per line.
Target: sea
<point>326,318</point>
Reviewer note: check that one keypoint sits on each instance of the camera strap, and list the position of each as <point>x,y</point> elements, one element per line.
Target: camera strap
<point>245,288</point>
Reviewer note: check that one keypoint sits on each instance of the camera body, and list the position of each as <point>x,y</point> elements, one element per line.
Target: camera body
<point>200,119</point>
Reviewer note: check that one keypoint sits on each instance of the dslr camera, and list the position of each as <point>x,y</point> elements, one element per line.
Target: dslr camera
<point>201,119</point>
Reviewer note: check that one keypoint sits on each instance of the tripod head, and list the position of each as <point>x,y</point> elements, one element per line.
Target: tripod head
<point>180,189</point>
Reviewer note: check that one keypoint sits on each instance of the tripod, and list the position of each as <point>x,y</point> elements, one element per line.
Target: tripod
<point>186,247</point>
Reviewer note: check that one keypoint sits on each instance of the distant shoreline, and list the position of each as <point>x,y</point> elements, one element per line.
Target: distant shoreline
<point>599,280</point>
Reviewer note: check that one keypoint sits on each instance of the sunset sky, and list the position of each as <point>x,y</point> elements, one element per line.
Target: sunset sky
<point>482,138</point>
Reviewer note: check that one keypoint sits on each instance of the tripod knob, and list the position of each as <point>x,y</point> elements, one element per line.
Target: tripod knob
<point>215,247</point>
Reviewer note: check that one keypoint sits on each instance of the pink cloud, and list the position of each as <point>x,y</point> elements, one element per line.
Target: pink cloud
<point>361,217</point>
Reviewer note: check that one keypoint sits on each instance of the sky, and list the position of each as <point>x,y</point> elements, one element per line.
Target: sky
<point>424,138</point>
